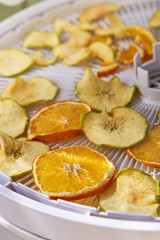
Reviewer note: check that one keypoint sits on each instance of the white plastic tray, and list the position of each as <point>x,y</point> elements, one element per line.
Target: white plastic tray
<point>20,202</point>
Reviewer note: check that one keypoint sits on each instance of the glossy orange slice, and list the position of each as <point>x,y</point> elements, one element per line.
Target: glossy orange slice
<point>72,173</point>
<point>58,121</point>
<point>148,151</point>
<point>126,56</point>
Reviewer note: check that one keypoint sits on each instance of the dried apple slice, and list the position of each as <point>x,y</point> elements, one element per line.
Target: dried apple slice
<point>63,51</point>
<point>17,154</point>
<point>44,39</point>
<point>148,46</point>
<point>78,39</point>
<point>100,94</point>
<point>126,56</point>
<point>88,26</point>
<point>71,56</point>
<point>159,115</point>
<point>58,121</point>
<point>154,21</point>
<point>78,56</point>
<point>106,40</point>
<point>148,151</point>
<point>77,42</point>
<point>41,61</point>
<point>103,51</point>
<point>30,91</point>
<point>105,32</point>
<point>132,191</point>
<point>106,70</point>
<point>133,31</point>
<point>60,26</point>
<point>121,128</point>
<point>13,118</point>
<point>97,12</point>
<point>14,62</point>
<point>115,22</point>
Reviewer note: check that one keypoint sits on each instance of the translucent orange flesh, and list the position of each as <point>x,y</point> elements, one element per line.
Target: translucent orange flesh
<point>126,56</point>
<point>70,169</point>
<point>149,149</point>
<point>58,118</point>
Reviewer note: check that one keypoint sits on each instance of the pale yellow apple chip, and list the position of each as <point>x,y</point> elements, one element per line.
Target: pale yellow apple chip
<point>43,39</point>
<point>17,154</point>
<point>97,12</point>
<point>26,92</point>
<point>41,61</point>
<point>14,62</point>
<point>13,118</point>
<point>60,26</point>
<point>100,94</point>
<point>132,191</point>
<point>154,21</point>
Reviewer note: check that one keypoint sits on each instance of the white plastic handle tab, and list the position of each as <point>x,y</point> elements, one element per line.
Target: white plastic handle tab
<point>148,74</point>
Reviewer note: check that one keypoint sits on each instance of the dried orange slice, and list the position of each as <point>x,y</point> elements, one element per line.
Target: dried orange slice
<point>60,120</point>
<point>148,151</point>
<point>72,173</point>
<point>126,56</point>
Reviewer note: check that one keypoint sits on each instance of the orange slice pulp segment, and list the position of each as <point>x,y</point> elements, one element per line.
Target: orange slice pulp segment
<point>60,120</point>
<point>72,173</point>
<point>148,151</point>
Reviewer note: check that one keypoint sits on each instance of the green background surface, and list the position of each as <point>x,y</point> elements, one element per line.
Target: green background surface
<point>6,11</point>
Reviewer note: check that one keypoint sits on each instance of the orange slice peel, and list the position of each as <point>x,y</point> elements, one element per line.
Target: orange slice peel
<point>72,173</point>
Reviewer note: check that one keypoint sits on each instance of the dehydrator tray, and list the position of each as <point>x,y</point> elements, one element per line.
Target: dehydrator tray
<point>20,197</point>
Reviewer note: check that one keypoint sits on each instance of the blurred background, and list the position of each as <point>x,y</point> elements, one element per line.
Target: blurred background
<point>10,7</point>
